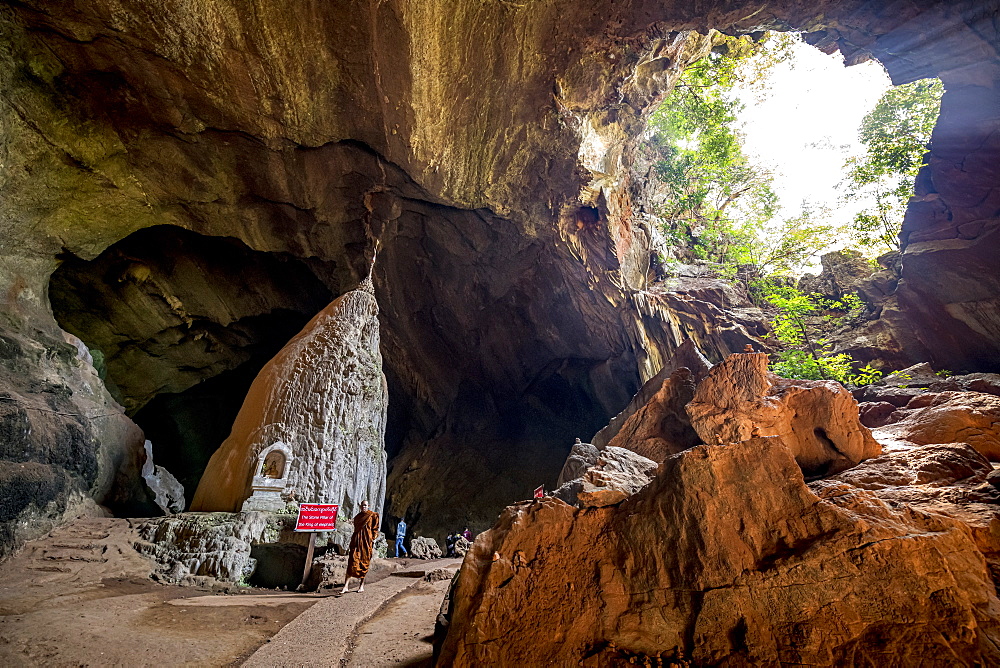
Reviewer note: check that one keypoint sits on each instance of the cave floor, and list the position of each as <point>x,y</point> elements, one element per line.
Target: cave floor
<point>82,596</point>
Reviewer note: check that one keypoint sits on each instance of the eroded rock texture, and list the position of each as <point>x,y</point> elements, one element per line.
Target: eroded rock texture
<point>213,545</point>
<point>489,147</point>
<point>613,475</point>
<point>324,398</point>
<point>724,555</point>
<point>753,568</point>
<point>818,420</point>
<point>64,442</point>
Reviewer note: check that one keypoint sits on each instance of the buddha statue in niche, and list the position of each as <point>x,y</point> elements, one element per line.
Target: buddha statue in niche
<point>274,465</point>
<point>270,479</point>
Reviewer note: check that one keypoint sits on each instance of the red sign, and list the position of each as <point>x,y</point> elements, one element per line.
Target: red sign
<point>317,517</point>
<point>540,492</point>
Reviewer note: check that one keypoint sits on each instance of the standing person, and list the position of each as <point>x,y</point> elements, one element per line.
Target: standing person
<point>362,546</point>
<point>466,534</point>
<point>400,535</point>
<point>449,544</point>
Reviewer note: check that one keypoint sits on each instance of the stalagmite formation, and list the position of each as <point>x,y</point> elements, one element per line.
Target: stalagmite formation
<point>324,398</point>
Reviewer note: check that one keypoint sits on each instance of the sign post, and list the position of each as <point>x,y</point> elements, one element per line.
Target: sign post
<point>315,517</point>
<point>539,492</point>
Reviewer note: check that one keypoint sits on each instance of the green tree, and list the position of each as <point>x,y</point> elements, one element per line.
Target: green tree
<point>895,136</point>
<point>715,200</point>
<point>804,356</point>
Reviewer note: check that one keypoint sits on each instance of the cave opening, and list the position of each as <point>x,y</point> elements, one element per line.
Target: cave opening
<point>518,313</point>
<point>179,324</point>
<point>767,153</point>
<point>468,299</point>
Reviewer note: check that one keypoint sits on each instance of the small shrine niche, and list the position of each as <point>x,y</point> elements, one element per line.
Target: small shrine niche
<point>270,479</point>
<point>274,465</point>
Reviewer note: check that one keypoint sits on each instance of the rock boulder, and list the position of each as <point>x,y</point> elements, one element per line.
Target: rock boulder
<point>462,545</point>
<point>617,474</point>
<point>844,271</point>
<point>818,420</point>
<point>215,545</point>
<point>968,417</point>
<point>727,557</point>
<point>581,457</point>
<point>425,547</point>
<point>661,427</point>
<point>686,356</point>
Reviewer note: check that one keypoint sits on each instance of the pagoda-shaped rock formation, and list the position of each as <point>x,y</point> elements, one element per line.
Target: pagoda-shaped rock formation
<point>323,397</point>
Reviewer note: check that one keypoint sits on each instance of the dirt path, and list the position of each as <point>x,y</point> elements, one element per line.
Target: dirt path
<point>400,633</point>
<point>82,596</point>
<point>335,631</point>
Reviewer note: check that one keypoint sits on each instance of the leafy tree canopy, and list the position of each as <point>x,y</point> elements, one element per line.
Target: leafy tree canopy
<point>895,136</point>
<point>715,200</point>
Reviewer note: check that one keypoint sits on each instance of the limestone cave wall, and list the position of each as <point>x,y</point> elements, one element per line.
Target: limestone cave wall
<point>485,150</point>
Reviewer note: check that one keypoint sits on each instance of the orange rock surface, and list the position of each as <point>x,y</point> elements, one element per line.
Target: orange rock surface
<point>661,428</point>
<point>966,417</point>
<point>818,420</point>
<point>726,558</point>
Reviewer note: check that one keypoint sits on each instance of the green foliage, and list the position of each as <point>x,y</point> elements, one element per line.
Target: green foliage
<point>805,357</point>
<point>716,202</point>
<point>895,135</point>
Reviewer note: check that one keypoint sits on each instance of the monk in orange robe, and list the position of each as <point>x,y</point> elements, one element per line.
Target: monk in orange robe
<point>362,545</point>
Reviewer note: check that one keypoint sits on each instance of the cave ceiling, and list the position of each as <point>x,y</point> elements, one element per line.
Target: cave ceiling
<point>481,153</point>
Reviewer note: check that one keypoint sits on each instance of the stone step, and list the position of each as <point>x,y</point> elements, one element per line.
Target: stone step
<point>79,546</point>
<point>50,569</point>
<point>74,555</point>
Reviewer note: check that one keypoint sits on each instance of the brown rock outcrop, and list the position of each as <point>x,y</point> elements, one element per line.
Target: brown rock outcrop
<point>843,273</point>
<point>725,558</point>
<point>581,457</point>
<point>617,474</point>
<point>661,427</point>
<point>935,465</point>
<point>949,417</point>
<point>686,356</point>
<point>65,444</point>
<point>608,475</point>
<point>739,399</point>
<point>424,547</point>
<point>950,479</point>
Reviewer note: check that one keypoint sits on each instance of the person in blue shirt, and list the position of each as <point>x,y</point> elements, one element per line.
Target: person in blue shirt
<point>400,535</point>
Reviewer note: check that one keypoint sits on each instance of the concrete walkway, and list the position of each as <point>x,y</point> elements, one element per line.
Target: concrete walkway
<point>320,635</point>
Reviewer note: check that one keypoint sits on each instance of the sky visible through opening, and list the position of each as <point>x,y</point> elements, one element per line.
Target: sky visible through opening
<point>806,125</point>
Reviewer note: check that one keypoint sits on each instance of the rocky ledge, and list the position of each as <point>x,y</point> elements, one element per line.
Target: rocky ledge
<point>726,555</point>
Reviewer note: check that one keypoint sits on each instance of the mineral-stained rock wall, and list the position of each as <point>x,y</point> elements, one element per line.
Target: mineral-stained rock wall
<point>726,558</point>
<point>324,398</point>
<point>64,442</point>
<point>723,555</point>
<point>488,146</point>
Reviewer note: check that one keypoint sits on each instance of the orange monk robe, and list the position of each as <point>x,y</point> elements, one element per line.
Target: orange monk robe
<point>362,543</point>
